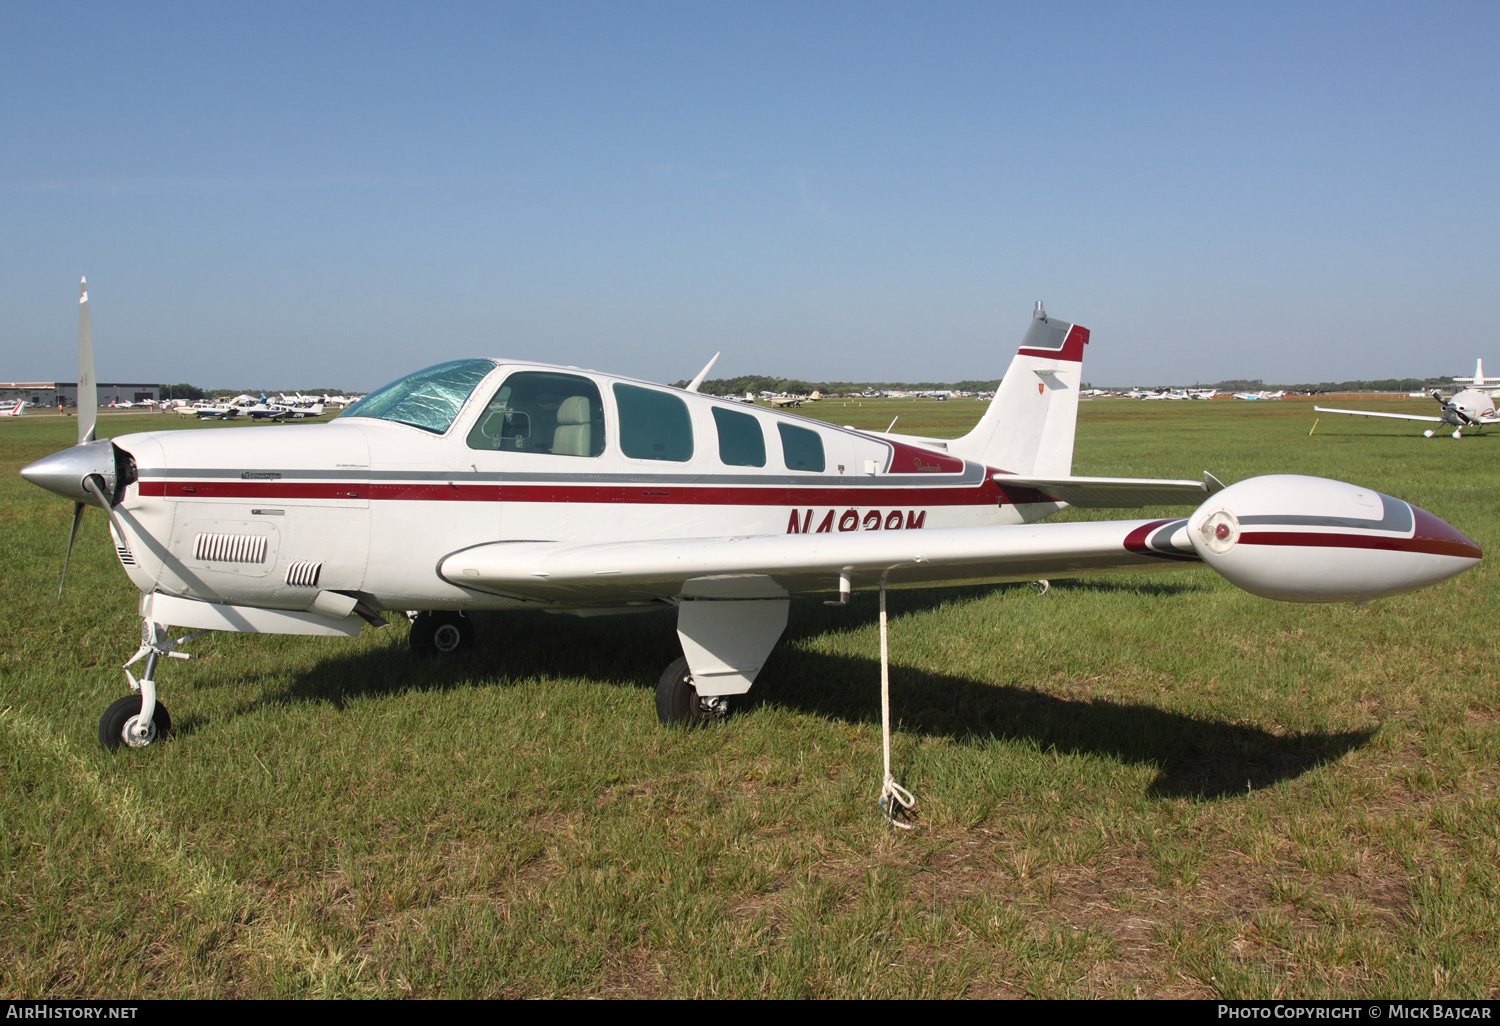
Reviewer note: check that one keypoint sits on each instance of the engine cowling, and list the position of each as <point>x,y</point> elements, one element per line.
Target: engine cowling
<point>1309,539</point>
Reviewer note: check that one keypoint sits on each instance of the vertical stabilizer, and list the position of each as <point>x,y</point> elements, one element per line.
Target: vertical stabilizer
<point>1478,380</point>
<point>1029,426</point>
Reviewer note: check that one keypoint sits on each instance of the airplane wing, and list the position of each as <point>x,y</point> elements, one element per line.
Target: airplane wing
<point>1115,492</point>
<point>613,573</point>
<point>1373,413</point>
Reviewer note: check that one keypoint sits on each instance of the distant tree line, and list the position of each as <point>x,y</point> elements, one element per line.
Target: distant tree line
<point>1376,385</point>
<point>758,383</point>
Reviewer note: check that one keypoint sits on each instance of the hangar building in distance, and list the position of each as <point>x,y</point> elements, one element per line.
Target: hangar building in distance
<point>46,393</point>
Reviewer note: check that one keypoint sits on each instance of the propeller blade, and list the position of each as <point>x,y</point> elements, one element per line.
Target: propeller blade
<point>88,388</point>
<point>72,534</point>
<point>91,485</point>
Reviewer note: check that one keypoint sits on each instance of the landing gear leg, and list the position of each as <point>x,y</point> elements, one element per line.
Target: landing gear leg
<point>136,722</point>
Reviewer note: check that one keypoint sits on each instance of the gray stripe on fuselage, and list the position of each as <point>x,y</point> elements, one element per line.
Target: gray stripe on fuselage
<point>1397,519</point>
<point>973,475</point>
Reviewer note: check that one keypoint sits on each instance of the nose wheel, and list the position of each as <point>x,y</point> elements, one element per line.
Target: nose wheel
<point>121,724</point>
<point>441,633</point>
<point>137,720</point>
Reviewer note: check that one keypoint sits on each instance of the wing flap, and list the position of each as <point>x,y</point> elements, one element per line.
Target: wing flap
<point>1115,492</point>
<point>593,575</point>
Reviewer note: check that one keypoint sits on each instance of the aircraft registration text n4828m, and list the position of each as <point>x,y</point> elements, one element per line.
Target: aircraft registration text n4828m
<point>499,484</point>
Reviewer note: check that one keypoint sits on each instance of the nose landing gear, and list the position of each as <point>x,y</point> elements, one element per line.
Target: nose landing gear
<point>136,722</point>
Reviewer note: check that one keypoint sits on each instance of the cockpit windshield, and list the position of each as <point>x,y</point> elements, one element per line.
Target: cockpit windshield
<point>428,399</point>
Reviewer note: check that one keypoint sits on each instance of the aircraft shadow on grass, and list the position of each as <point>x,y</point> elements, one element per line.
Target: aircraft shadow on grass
<point>1194,757</point>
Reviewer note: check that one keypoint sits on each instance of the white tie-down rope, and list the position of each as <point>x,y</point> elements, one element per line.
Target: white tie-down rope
<point>895,800</point>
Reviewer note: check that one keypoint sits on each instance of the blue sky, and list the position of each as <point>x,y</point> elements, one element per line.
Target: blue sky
<point>339,193</point>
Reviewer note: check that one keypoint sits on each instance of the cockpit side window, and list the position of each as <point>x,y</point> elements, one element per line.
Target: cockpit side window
<point>801,448</point>
<point>429,399</point>
<point>654,425</point>
<point>539,411</point>
<point>741,441</point>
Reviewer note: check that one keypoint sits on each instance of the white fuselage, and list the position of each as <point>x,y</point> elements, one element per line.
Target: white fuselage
<point>373,507</point>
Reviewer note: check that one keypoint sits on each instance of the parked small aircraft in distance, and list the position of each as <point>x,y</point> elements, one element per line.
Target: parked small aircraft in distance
<point>14,411</point>
<point>1265,394</point>
<point>501,484</point>
<point>1470,408</point>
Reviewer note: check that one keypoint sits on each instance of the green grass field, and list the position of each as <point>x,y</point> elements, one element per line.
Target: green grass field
<point>1150,785</point>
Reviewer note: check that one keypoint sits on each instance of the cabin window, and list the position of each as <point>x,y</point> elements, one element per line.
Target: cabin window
<point>741,441</point>
<point>653,425</point>
<point>429,399</point>
<point>538,411</point>
<point>802,449</point>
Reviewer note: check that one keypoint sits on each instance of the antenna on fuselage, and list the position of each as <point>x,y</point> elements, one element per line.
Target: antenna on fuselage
<point>693,385</point>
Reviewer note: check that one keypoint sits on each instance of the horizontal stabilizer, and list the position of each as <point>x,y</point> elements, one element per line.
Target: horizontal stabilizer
<point>1116,492</point>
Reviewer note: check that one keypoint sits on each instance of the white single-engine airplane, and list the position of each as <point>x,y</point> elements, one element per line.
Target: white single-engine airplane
<point>495,484</point>
<point>1469,408</point>
<point>14,411</point>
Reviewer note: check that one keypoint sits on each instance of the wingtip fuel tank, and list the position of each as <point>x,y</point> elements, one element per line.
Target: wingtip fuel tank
<point>1310,539</point>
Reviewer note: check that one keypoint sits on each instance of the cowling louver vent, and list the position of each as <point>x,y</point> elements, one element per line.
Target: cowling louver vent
<point>303,574</point>
<point>126,559</point>
<point>231,548</point>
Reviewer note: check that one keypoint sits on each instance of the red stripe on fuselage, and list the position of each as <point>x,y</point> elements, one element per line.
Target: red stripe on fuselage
<point>257,489</point>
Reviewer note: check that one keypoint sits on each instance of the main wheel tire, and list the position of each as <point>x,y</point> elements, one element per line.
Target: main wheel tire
<point>677,700</point>
<point>441,633</point>
<point>119,716</point>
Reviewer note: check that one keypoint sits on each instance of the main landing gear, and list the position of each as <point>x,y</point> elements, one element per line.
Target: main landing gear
<point>137,721</point>
<point>678,701</point>
<point>441,632</point>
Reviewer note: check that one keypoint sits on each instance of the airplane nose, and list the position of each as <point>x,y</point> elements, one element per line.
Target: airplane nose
<point>63,473</point>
